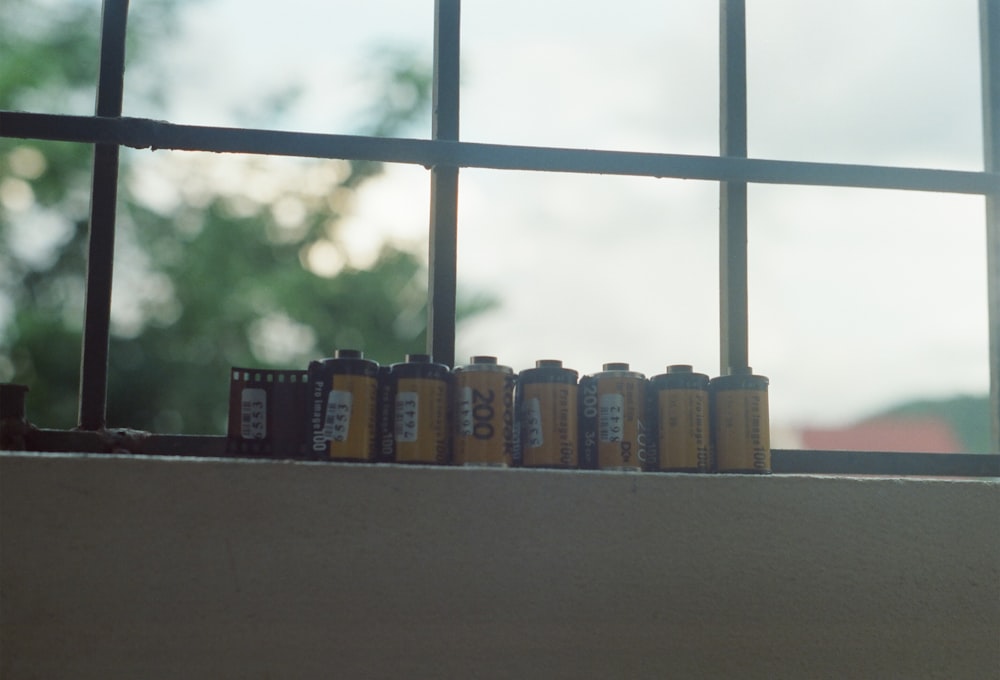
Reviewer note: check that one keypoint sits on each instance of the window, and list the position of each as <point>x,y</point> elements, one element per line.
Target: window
<point>811,183</point>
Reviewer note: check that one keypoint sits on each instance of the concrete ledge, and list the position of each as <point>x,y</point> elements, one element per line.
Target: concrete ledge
<point>116,566</point>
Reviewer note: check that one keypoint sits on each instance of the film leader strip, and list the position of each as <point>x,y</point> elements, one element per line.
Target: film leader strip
<point>266,410</point>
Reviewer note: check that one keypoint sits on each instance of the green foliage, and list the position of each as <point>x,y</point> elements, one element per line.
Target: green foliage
<point>211,278</point>
<point>47,60</point>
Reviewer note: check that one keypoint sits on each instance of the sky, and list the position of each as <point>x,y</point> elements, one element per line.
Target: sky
<point>859,299</point>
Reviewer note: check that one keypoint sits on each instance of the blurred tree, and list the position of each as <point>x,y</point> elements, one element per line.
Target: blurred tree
<point>209,277</point>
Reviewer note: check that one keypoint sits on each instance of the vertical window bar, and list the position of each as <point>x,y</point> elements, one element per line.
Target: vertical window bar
<point>444,186</point>
<point>989,45</point>
<point>101,239</point>
<point>733,195</point>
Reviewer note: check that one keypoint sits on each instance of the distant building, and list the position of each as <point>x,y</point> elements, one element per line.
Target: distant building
<point>925,434</point>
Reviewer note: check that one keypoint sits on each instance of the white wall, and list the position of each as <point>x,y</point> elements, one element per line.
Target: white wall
<point>146,568</point>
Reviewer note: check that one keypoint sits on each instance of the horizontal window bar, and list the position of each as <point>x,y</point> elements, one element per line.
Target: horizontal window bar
<point>143,133</point>
<point>891,463</point>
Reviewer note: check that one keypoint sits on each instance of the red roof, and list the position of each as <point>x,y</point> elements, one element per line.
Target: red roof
<point>916,435</point>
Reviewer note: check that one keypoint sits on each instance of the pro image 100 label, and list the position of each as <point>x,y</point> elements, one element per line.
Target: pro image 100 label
<point>683,424</point>
<point>741,423</point>
<point>547,399</point>
<point>421,426</point>
<point>349,421</point>
<point>344,407</point>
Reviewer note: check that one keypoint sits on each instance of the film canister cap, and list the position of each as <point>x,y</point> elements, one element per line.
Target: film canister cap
<point>680,368</point>
<point>418,358</point>
<point>482,359</point>
<point>615,366</point>
<point>349,354</point>
<point>548,363</point>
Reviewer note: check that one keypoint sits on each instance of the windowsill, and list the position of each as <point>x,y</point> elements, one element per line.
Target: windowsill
<point>116,565</point>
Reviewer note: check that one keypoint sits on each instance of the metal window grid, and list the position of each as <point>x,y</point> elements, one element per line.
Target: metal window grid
<point>444,154</point>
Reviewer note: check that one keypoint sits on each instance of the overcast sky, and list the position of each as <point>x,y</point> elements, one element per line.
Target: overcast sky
<point>858,299</point>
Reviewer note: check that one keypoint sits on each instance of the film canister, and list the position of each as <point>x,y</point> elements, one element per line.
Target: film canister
<point>484,413</point>
<point>344,423</point>
<point>683,434</point>
<point>547,413</point>
<point>421,408</point>
<point>740,422</point>
<point>621,422</point>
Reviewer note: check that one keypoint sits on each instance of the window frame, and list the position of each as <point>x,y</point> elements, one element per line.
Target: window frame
<point>445,154</point>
